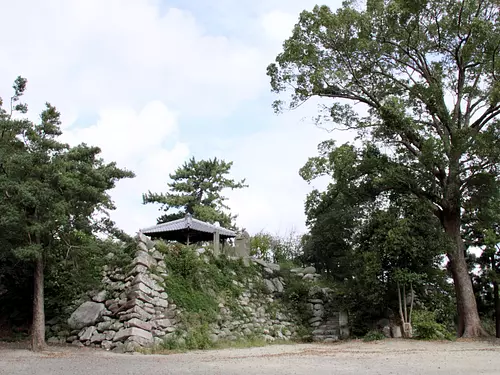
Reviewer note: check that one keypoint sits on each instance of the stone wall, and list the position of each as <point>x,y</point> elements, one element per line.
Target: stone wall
<point>133,310</point>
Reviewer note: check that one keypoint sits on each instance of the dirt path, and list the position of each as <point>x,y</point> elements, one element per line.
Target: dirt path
<point>351,358</point>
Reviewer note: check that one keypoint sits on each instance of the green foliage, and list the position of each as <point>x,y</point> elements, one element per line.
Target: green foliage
<point>198,283</point>
<point>55,198</point>
<point>425,326</point>
<point>418,81</point>
<point>196,189</point>
<point>276,249</point>
<point>374,336</point>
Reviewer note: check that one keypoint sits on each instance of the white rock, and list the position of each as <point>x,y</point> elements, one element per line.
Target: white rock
<point>85,315</point>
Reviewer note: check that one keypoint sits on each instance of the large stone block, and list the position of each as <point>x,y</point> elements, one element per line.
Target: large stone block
<point>86,315</point>
<point>142,278</point>
<point>138,324</point>
<point>124,334</point>
<point>145,259</point>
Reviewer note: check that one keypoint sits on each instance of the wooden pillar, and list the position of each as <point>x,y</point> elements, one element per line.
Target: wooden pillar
<point>216,243</point>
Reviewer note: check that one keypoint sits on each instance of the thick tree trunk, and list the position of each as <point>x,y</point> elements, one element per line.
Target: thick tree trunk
<point>38,323</point>
<point>497,309</point>
<point>469,324</point>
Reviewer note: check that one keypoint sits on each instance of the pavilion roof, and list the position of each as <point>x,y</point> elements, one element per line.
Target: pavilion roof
<point>187,228</point>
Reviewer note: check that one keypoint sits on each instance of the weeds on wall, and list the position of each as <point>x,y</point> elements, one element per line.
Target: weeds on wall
<point>198,283</point>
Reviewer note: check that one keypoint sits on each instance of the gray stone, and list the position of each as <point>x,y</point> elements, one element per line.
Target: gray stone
<point>386,331</point>
<point>116,326</point>
<point>396,332</point>
<point>214,338</point>
<point>104,326</point>
<point>159,302</point>
<point>145,259</point>
<point>163,323</point>
<point>134,322</point>
<point>87,314</point>
<point>315,319</point>
<point>54,340</point>
<point>139,268</point>
<point>145,240</point>
<point>309,270</point>
<point>315,301</point>
<point>106,344</point>
<point>269,286</point>
<point>100,297</point>
<point>131,346</point>
<point>308,277</point>
<point>278,285</point>
<point>318,313</point>
<point>110,335</point>
<point>142,246</point>
<point>77,343</point>
<point>128,332</point>
<point>297,270</point>
<point>97,338</point>
<point>142,278</point>
<point>330,340</point>
<point>87,333</point>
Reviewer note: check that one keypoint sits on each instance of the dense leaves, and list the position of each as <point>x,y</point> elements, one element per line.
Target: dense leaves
<point>419,81</point>
<point>196,188</point>
<point>54,201</point>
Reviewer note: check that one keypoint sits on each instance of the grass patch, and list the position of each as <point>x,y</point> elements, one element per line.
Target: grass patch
<point>373,336</point>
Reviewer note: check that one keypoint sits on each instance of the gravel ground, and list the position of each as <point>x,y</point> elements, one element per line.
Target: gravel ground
<point>349,358</point>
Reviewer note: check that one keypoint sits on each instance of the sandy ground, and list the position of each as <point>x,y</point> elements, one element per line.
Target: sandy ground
<point>352,358</point>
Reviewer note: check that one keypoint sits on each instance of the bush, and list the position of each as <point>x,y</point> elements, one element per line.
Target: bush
<point>425,327</point>
<point>374,336</point>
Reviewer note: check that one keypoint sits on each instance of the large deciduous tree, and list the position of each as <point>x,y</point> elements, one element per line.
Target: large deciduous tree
<point>50,191</point>
<point>425,77</point>
<point>196,189</point>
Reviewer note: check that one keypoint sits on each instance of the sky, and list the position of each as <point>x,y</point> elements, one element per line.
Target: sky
<point>154,82</point>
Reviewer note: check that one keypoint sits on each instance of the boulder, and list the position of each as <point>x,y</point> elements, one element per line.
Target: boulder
<point>309,270</point>
<point>86,315</point>
<point>278,285</point>
<point>100,297</point>
<point>269,286</point>
<point>396,332</point>
<point>87,333</point>
<point>145,259</point>
<point>386,331</point>
<point>134,322</point>
<point>145,240</point>
<point>124,334</point>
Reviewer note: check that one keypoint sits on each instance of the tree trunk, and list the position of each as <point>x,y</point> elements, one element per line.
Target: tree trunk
<point>497,309</point>
<point>38,323</point>
<point>469,324</point>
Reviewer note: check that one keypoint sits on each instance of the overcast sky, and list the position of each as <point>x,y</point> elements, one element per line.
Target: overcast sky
<point>154,82</point>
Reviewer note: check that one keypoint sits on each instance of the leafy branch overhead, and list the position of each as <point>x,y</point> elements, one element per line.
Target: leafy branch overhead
<point>196,188</point>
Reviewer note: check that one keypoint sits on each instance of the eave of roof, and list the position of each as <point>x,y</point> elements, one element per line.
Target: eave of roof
<point>190,223</point>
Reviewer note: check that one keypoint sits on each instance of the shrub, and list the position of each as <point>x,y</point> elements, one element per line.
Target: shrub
<point>374,336</point>
<point>425,326</point>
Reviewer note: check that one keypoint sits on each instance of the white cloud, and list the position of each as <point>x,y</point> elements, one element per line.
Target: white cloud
<point>146,70</point>
<point>135,141</point>
<point>278,25</point>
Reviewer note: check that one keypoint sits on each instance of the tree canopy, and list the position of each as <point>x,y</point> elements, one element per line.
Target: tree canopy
<point>196,189</point>
<point>419,81</point>
<point>55,196</point>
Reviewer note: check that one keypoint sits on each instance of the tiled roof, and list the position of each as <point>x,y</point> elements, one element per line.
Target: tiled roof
<point>188,222</point>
